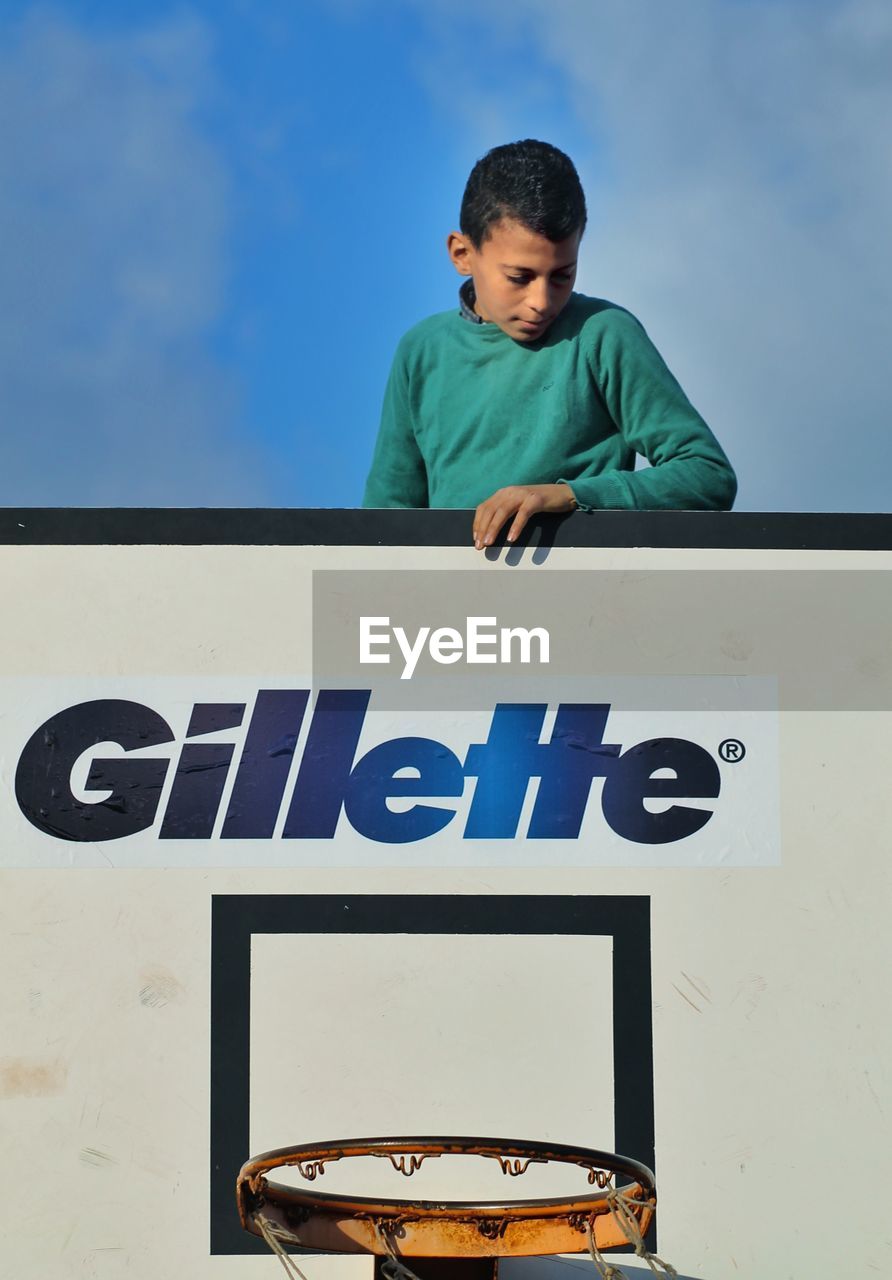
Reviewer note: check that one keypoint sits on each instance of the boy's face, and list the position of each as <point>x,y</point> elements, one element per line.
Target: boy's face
<point>522,280</point>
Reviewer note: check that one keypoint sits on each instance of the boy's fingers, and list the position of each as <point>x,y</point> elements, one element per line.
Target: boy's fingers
<point>492,515</point>
<point>480,523</point>
<point>489,518</point>
<point>530,505</point>
<point>496,517</point>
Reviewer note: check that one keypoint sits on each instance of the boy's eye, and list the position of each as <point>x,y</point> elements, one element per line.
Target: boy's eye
<point>562,279</point>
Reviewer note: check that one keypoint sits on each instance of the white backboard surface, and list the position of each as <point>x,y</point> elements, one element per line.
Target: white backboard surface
<point>173,1004</point>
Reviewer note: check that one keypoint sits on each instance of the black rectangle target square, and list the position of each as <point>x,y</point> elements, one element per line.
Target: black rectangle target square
<point>625,919</point>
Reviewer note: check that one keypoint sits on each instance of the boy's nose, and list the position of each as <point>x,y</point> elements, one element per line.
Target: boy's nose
<point>539,297</point>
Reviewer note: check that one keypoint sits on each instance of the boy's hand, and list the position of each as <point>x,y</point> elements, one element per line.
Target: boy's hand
<point>520,501</point>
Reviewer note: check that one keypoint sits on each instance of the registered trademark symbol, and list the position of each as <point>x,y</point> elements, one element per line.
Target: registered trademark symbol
<point>732,750</point>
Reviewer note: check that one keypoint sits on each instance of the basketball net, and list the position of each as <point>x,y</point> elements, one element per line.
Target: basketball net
<point>622,1209</point>
<point>273,1235</point>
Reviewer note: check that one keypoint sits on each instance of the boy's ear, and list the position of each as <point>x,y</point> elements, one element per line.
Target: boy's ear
<point>461,252</point>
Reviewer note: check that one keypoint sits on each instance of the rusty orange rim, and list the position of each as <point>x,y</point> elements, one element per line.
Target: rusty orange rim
<point>311,1219</point>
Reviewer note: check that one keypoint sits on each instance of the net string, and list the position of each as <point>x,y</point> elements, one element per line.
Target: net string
<point>394,1268</point>
<point>622,1210</point>
<point>273,1235</point>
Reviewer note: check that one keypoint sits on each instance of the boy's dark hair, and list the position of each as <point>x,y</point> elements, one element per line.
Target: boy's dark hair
<point>531,182</point>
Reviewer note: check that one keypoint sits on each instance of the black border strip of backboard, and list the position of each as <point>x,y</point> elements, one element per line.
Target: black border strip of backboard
<point>253,527</point>
<point>237,917</point>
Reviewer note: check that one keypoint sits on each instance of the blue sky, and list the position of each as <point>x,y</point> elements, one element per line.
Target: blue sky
<point>218,218</point>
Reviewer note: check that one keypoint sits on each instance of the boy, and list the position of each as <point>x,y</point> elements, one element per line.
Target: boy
<point>533,398</point>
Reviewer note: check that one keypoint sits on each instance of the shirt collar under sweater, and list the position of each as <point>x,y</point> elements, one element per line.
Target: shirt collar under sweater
<point>467,296</point>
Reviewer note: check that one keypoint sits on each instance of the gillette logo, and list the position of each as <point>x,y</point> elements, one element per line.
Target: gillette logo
<point>265,782</point>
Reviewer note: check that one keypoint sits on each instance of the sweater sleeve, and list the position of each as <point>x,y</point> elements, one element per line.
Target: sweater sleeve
<point>398,476</point>
<point>689,470</point>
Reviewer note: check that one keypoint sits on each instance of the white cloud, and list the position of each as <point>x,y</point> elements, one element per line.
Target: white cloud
<point>113,272</point>
<point>740,190</point>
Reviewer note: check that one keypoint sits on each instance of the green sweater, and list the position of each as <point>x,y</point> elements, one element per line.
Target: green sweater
<point>468,410</point>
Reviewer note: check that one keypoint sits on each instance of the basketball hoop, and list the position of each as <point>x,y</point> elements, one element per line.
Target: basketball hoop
<point>614,1212</point>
